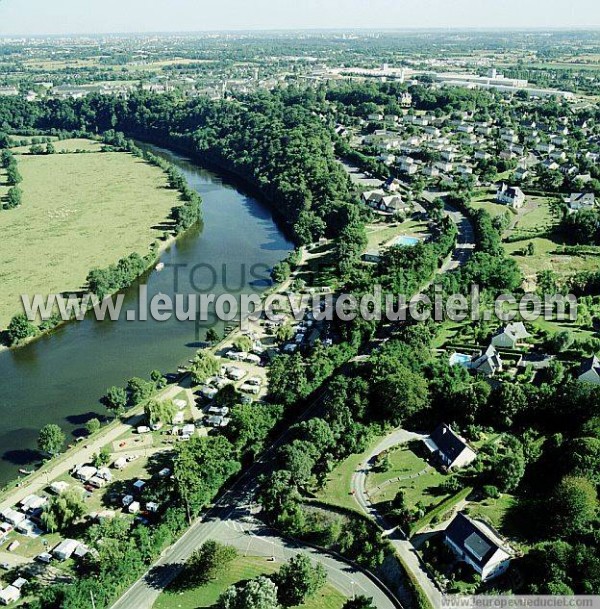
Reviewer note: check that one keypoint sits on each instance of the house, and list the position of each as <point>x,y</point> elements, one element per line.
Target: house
<point>581,200</point>
<point>9,595</point>
<point>449,447</point>
<point>487,363</point>
<point>476,544</point>
<point>64,550</point>
<point>510,335</point>
<point>392,185</point>
<point>372,256</point>
<point>407,165</point>
<point>590,371</point>
<point>510,195</point>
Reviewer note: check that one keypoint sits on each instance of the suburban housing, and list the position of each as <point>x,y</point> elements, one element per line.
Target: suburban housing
<point>476,544</point>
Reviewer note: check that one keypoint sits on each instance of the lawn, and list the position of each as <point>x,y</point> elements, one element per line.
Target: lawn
<point>423,489</point>
<point>546,258</point>
<point>488,202</point>
<point>535,215</point>
<point>339,481</point>
<point>380,234</point>
<point>243,568</point>
<point>492,510</point>
<point>403,462</point>
<point>79,211</point>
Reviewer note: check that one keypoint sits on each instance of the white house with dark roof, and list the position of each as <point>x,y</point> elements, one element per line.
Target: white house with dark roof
<point>488,363</point>
<point>510,195</point>
<point>510,335</point>
<point>590,371</point>
<point>476,544</point>
<point>449,448</point>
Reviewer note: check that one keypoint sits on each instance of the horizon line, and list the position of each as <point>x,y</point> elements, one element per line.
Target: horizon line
<point>371,30</point>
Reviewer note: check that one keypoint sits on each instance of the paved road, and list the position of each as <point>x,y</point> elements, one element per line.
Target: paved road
<point>396,537</point>
<point>232,521</point>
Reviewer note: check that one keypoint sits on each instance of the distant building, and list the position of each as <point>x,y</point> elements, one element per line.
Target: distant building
<point>581,200</point>
<point>449,448</point>
<point>510,195</point>
<point>510,335</point>
<point>476,544</point>
<point>590,371</point>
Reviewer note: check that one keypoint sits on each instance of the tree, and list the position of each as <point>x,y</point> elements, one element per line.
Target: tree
<point>250,426</point>
<point>298,580</point>
<point>14,198</point>
<point>281,271</point>
<point>19,329</point>
<point>51,439</point>
<point>92,426</point>
<point>259,593</point>
<point>156,376</point>
<point>50,149</point>
<point>296,458</point>
<point>574,506</point>
<point>242,343</point>
<point>561,341</point>
<point>284,333</point>
<point>400,395</point>
<point>13,177</point>
<point>212,336</point>
<point>205,365</point>
<point>63,510</point>
<point>139,390</point>
<point>101,459</point>
<point>160,412</point>
<point>359,602</point>
<point>115,399</point>
<point>200,468</point>
<point>209,562</point>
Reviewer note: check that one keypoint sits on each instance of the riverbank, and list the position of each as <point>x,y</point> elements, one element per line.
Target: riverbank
<point>59,378</point>
<point>89,220</point>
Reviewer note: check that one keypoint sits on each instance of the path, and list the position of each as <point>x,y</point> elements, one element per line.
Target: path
<point>397,538</point>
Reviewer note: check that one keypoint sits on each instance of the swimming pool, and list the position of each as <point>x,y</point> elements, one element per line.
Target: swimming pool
<point>460,359</point>
<point>404,240</point>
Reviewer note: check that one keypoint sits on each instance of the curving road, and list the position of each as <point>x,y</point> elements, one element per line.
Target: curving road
<point>396,536</point>
<point>233,521</point>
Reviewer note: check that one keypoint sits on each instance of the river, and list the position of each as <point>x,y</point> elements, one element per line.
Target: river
<point>60,378</point>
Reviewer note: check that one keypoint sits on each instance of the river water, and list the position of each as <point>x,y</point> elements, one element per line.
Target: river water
<point>60,378</point>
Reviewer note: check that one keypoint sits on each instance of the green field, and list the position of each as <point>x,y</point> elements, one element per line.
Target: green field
<point>339,482</point>
<point>547,258</point>
<point>242,569</point>
<point>492,510</point>
<point>403,463</point>
<point>380,234</point>
<point>79,211</point>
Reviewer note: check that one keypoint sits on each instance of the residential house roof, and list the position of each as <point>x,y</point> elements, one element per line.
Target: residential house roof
<point>475,539</point>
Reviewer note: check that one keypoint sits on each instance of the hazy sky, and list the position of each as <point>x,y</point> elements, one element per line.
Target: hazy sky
<point>102,16</point>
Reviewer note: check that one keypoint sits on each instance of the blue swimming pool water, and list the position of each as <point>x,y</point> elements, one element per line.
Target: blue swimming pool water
<point>404,240</point>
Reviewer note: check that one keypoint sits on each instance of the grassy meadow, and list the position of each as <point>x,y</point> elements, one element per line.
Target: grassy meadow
<point>79,211</point>
<point>242,569</point>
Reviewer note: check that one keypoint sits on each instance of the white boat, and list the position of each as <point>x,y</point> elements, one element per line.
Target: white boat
<point>159,267</point>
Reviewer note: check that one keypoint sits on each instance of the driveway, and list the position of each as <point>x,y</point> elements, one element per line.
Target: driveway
<point>397,538</point>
